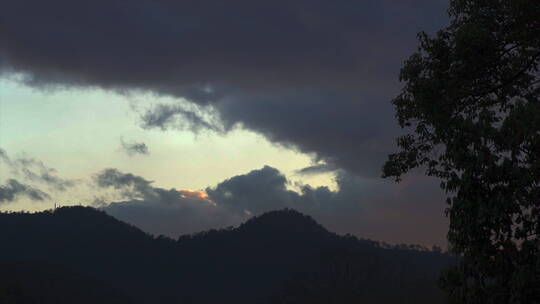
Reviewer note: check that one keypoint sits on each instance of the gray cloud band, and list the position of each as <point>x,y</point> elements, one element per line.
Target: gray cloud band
<point>359,206</point>
<point>12,189</point>
<point>34,170</point>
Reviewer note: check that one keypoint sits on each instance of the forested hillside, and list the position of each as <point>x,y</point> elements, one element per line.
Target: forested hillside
<point>278,257</point>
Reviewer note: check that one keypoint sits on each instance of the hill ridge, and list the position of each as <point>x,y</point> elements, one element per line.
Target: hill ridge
<point>260,256</point>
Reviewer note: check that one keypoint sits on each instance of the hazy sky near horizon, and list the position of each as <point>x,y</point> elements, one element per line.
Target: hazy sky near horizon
<point>78,131</point>
<point>256,105</point>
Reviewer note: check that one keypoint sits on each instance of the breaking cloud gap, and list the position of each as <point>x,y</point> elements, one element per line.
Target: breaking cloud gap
<point>313,74</point>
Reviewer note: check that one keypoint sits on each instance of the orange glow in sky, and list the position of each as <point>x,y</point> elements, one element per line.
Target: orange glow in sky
<point>194,194</point>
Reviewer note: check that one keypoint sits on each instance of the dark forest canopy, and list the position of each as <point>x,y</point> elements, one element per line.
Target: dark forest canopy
<point>277,257</point>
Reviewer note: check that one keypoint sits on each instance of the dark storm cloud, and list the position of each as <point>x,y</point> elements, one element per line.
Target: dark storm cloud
<point>369,207</point>
<point>12,189</point>
<point>314,74</point>
<point>134,148</point>
<point>255,192</point>
<point>365,207</point>
<point>160,211</point>
<point>36,171</point>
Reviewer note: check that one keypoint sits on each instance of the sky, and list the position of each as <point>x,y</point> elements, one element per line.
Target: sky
<point>182,116</point>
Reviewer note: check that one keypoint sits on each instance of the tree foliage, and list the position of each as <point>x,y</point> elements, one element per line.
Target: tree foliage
<point>471,103</point>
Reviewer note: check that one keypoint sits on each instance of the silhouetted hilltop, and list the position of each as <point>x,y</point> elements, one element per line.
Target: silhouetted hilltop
<point>68,224</point>
<point>83,239</point>
<point>285,221</point>
<point>264,259</point>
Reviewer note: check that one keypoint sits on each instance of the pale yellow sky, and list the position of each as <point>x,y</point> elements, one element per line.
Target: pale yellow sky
<point>78,133</point>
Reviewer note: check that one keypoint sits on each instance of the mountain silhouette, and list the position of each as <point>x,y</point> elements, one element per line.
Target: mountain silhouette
<point>278,257</point>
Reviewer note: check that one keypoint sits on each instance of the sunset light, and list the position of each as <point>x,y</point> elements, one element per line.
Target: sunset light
<point>195,194</point>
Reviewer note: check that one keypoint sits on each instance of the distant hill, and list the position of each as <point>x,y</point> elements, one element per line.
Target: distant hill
<point>278,257</point>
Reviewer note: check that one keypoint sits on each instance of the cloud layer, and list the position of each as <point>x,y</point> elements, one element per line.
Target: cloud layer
<point>359,206</point>
<point>160,211</point>
<point>317,75</point>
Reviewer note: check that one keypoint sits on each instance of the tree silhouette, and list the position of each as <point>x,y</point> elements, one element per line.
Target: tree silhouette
<point>471,104</point>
